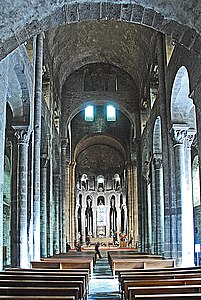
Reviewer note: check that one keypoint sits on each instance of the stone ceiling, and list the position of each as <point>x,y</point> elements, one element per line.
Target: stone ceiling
<point>100,160</point>
<point>21,20</point>
<point>127,46</point>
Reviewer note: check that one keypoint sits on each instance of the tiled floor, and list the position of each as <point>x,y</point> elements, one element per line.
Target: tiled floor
<point>103,285</point>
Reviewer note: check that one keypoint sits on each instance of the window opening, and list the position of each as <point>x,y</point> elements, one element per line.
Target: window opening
<point>111,113</point>
<point>89,113</point>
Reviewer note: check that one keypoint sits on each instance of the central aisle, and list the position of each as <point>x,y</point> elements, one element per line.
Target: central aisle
<point>103,285</point>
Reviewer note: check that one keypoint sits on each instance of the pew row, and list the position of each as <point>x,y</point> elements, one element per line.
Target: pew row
<point>156,276</point>
<point>119,264</point>
<point>158,283</point>
<point>33,277</point>
<point>192,296</point>
<point>39,291</point>
<point>64,263</point>
<point>133,291</point>
<point>18,297</point>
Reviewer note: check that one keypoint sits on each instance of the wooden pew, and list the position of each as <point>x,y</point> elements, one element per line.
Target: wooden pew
<point>119,264</point>
<point>152,272</point>
<point>192,296</point>
<point>60,277</point>
<point>64,263</point>
<point>37,297</point>
<point>74,254</point>
<point>163,282</point>
<point>40,291</point>
<point>44,283</point>
<point>160,277</point>
<point>132,291</point>
<point>49,276</point>
<point>131,254</point>
<point>49,273</point>
<point>149,277</point>
<point>159,270</point>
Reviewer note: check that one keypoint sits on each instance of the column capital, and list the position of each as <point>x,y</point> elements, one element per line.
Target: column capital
<point>146,168</point>
<point>57,176</point>
<point>22,133</point>
<point>8,142</point>
<point>44,160</point>
<point>179,133</point>
<point>64,142</point>
<point>157,160</point>
<point>190,137</point>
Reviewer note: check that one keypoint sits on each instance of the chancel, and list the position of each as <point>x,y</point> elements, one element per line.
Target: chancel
<point>101,211</point>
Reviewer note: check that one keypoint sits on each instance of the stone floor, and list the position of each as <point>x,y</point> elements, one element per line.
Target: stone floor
<point>103,285</point>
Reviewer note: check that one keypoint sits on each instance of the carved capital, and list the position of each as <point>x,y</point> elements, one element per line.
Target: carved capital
<point>8,143</point>
<point>64,143</point>
<point>190,137</point>
<point>44,160</point>
<point>179,133</point>
<point>22,134</point>
<point>157,160</point>
<point>195,143</point>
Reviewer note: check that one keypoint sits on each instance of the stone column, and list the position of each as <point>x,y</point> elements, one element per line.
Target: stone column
<point>56,214</point>
<point>4,75</point>
<point>77,205</point>
<point>94,208</point>
<point>130,199</point>
<point>64,213</point>
<point>149,216</point>
<point>83,217</point>
<point>67,200</point>
<point>187,211</point>
<point>158,172</point>
<point>107,210</point>
<point>118,209</point>
<point>21,132</point>
<point>14,208</point>
<point>146,195</point>
<point>37,146</point>
<point>125,219</point>
<point>133,203</point>
<point>169,201</point>
<point>72,203</point>
<point>143,216</point>
<point>43,205</point>
<point>179,133</point>
<point>153,210</point>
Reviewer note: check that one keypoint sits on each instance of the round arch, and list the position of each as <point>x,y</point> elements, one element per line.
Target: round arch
<point>182,107</point>
<point>98,140</point>
<point>164,18</point>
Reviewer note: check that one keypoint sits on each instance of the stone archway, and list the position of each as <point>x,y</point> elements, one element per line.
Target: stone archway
<point>183,133</point>
<point>166,18</point>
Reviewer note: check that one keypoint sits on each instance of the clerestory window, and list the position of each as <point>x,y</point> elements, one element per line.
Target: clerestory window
<point>89,113</point>
<point>111,113</point>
